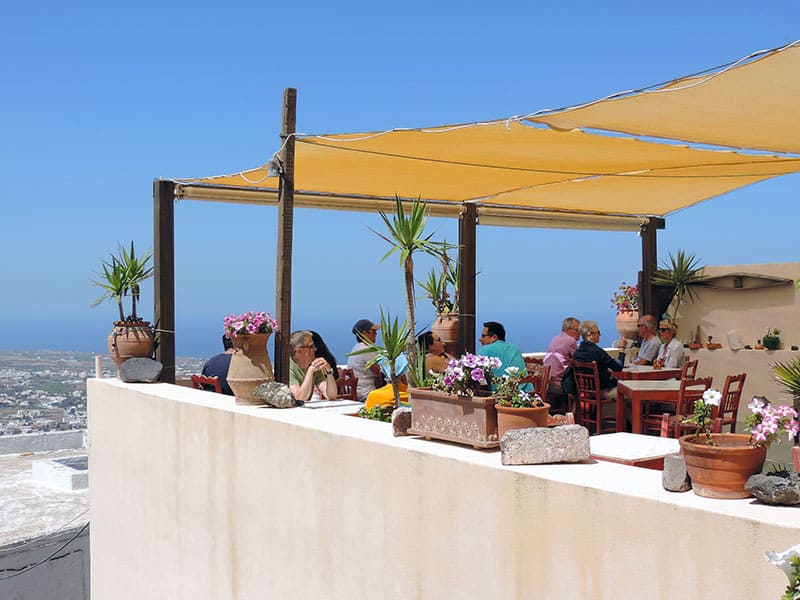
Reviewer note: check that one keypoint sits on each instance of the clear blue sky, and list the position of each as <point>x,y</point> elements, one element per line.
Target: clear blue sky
<point>98,99</point>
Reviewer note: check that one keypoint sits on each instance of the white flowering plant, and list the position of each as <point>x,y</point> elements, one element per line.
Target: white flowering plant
<point>467,375</point>
<point>788,562</point>
<point>704,409</point>
<point>509,393</point>
<point>768,423</point>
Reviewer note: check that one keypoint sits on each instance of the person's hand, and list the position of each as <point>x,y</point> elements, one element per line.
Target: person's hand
<point>320,364</point>
<point>623,342</point>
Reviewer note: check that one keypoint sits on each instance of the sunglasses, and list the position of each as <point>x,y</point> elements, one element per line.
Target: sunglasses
<point>662,329</point>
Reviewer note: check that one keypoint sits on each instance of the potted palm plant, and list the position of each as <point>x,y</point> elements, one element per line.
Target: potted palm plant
<point>437,287</point>
<point>122,276</point>
<point>681,273</point>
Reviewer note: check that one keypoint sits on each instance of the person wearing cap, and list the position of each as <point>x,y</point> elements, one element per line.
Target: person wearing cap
<point>369,378</point>
<point>384,396</point>
<point>671,354</point>
<point>310,377</point>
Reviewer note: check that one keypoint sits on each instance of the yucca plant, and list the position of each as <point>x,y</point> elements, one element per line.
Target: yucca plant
<point>681,273</point>
<point>393,338</point>
<point>407,236</point>
<point>123,275</point>
<point>787,375</point>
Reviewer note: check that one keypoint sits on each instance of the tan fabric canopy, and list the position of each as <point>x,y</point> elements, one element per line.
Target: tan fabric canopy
<point>523,174</point>
<point>752,105</point>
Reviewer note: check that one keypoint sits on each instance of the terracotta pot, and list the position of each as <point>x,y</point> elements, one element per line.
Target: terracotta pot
<point>470,420</point>
<point>628,324</point>
<point>128,340</point>
<point>250,366</point>
<point>520,418</point>
<point>721,471</point>
<point>446,327</point>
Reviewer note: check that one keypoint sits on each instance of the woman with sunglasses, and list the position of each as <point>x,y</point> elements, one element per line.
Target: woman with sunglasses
<point>436,359</point>
<point>671,354</point>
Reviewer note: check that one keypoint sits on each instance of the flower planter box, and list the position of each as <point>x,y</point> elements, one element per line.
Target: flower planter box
<point>470,420</point>
<point>721,471</point>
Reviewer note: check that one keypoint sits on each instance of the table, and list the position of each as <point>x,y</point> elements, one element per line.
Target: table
<point>666,391</point>
<point>646,372</point>
<point>633,449</point>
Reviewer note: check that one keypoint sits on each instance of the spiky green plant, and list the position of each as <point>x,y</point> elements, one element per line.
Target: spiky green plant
<point>123,275</point>
<point>682,273</point>
<point>407,236</point>
<point>393,338</point>
<point>787,374</point>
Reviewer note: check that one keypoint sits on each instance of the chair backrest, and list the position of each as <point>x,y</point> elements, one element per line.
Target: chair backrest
<point>347,384</point>
<point>731,394</point>
<point>691,390</point>
<point>539,377</point>
<point>689,369</point>
<point>201,381</point>
<point>587,380</point>
<point>565,419</point>
<point>532,361</point>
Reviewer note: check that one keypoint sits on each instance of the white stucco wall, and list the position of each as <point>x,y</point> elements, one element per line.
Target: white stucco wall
<point>196,498</point>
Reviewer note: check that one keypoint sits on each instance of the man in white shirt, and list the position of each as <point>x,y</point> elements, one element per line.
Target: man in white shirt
<point>369,378</point>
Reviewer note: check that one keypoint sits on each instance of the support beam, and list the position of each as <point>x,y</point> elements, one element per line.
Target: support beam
<point>647,294</point>
<point>164,274</point>
<point>283,270</point>
<point>467,229</point>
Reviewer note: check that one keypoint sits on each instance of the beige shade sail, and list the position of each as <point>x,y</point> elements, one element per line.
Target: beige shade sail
<point>516,173</point>
<point>752,104</point>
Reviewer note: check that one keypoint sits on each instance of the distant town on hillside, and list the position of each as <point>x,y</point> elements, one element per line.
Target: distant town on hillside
<point>45,390</point>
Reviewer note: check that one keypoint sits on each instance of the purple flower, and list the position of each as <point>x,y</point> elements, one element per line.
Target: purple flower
<point>477,374</point>
<point>469,360</point>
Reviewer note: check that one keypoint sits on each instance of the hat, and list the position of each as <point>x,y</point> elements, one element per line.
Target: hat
<point>364,325</point>
<point>400,366</point>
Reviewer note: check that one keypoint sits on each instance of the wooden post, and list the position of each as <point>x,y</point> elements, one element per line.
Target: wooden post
<point>647,296</point>
<point>283,270</point>
<point>467,228</point>
<point>164,275</point>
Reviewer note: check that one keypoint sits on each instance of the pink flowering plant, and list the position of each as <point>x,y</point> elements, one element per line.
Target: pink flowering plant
<point>249,323</point>
<point>626,297</point>
<point>467,375</point>
<point>768,423</point>
<point>509,394</point>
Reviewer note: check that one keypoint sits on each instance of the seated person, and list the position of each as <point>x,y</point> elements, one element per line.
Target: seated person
<point>217,366</point>
<point>494,344</point>
<point>559,355</point>
<point>310,378</point>
<point>671,354</point>
<point>366,333</point>
<point>384,396</point>
<point>436,359</point>
<point>590,351</point>
<point>648,350</point>
<point>322,351</point>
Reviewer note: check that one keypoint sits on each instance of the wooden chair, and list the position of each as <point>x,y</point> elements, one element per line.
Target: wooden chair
<point>347,385</point>
<point>690,390</point>
<point>565,419</point>
<point>689,369</point>
<point>590,400</point>
<point>539,377</point>
<point>731,395</point>
<point>201,381</point>
<point>531,362</point>
<point>668,425</point>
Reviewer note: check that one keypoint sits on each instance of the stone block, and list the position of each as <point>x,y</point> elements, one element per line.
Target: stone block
<point>539,445</point>
<point>401,421</point>
<point>140,370</point>
<point>275,394</point>
<point>674,478</point>
<point>775,489</point>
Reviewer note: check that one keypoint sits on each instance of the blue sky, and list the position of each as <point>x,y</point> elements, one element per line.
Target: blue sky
<point>100,99</point>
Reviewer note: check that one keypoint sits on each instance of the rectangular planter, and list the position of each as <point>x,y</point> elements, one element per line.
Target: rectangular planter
<point>461,419</point>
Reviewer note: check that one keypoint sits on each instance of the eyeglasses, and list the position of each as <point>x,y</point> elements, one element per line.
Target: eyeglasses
<point>483,335</point>
<point>312,346</point>
<point>662,329</point>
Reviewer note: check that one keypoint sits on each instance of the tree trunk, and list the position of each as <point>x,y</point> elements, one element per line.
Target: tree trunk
<point>411,346</point>
<point>394,386</point>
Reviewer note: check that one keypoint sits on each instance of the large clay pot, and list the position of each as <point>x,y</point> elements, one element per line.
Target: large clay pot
<point>446,327</point>
<point>628,324</point>
<point>520,418</point>
<point>721,470</point>
<point>128,340</point>
<point>470,420</point>
<point>250,366</point>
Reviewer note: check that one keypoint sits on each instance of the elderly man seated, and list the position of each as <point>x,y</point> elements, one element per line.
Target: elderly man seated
<point>590,351</point>
<point>310,378</point>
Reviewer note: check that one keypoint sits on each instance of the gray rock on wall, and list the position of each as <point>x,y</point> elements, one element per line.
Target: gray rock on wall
<point>275,394</point>
<point>539,445</point>
<point>140,370</point>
